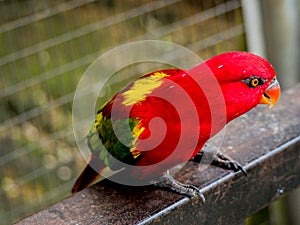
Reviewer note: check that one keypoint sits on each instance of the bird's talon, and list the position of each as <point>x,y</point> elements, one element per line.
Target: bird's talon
<point>241,168</point>
<point>236,167</point>
<point>167,181</point>
<point>220,160</point>
<point>194,193</point>
<point>201,196</point>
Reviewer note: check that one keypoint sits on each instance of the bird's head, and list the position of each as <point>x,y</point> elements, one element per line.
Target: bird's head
<point>246,80</point>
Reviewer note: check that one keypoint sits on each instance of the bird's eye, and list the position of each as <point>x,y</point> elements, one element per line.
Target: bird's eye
<point>254,81</point>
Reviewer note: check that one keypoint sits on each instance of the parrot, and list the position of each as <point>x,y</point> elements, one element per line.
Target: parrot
<point>164,118</point>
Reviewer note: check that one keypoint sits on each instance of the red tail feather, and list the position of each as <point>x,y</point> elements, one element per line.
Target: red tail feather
<point>89,175</point>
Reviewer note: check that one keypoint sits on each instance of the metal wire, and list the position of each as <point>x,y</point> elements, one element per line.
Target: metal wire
<point>161,31</point>
<point>43,14</point>
<point>84,30</point>
<point>199,17</point>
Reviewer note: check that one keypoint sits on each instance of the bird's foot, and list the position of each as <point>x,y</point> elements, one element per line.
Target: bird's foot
<point>224,161</point>
<point>218,158</point>
<point>167,181</point>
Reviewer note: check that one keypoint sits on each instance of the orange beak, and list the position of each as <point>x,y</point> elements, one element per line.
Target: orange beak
<point>271,94</point>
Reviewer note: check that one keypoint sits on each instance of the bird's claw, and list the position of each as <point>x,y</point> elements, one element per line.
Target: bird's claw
<point>192,191</point>
<point>226,162</point>
<point>220,159</point>
<point>233,165</point>
<point>239,167</point>
<point>167,181</point>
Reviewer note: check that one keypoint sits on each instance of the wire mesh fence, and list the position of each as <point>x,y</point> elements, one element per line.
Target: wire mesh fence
<point>45,48</point>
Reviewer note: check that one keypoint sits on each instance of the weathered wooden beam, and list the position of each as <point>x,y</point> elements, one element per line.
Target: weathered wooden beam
<point>266,142</point>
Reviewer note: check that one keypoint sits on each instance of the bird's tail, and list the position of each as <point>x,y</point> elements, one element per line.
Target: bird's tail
<point>94,172</point>
<point>91,173</point>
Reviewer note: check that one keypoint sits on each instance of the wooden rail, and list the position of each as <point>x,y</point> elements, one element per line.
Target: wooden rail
<point>266,142</point>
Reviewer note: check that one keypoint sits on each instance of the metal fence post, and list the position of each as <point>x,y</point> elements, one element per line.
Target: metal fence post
<point>253,22</point>
<point>281,26</point>
<point>272,31</point>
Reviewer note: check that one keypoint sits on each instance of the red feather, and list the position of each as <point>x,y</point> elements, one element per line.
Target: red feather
<point>177,111</point>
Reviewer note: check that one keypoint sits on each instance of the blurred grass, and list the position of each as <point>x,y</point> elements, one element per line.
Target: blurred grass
<point>39,159</point>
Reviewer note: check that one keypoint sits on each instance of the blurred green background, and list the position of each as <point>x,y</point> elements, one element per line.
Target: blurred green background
<point>46,45</point>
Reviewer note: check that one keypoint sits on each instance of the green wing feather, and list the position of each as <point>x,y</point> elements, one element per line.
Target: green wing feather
<point>102,139</point>
<point>104,143</point>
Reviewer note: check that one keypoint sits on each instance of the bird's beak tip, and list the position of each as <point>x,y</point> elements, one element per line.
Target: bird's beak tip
<point>271,94</point>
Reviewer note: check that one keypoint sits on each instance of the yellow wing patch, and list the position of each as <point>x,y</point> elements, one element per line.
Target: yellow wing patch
<point>135,153</point>
<point>136,132</point>
<point>142,87</point>
<point>98,120</point>
<point>159,74</point>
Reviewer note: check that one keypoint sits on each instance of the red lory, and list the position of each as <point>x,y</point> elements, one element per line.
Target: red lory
<point>164,118</point>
